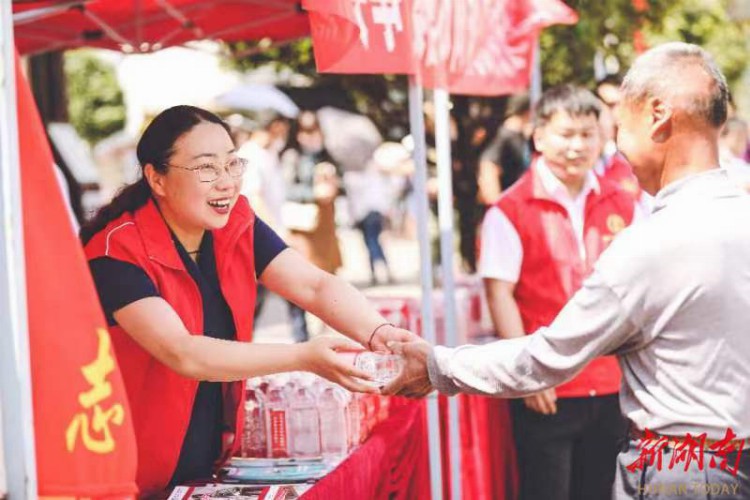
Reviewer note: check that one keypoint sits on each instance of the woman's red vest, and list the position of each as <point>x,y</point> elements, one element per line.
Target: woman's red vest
<point>162,400</point>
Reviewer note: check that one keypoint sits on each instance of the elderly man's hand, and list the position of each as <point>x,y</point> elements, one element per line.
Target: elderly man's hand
<point>414,381</point>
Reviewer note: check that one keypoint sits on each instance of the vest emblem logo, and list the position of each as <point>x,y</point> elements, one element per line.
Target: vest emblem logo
<point>615,223</point>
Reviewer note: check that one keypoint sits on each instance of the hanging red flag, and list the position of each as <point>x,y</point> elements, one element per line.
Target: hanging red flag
<point>478,48</point>
<point>361,36</point>
<point>85,445</point>
<point>484,47</point>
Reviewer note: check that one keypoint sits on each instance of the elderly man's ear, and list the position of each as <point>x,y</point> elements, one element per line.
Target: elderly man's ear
<point>661,120</point>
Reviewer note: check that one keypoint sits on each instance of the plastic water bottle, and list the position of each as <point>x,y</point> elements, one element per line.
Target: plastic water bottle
<point>277,421</point>
<point>304,421</point>
<point>383,368</point>
<point>254,431</point>
<point>332,405</point>
<point>354,421</point>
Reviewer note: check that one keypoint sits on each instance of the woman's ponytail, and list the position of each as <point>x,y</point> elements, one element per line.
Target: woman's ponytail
<point>129,199</point>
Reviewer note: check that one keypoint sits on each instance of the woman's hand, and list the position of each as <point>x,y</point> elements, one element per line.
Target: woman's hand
<point>319,357</point>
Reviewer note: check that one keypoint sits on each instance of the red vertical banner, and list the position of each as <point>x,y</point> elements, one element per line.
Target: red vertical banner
<point>361,36</point>
<point>85,445</point>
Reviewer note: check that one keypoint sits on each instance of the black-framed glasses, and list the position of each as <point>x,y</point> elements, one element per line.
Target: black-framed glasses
<point>211,172</point>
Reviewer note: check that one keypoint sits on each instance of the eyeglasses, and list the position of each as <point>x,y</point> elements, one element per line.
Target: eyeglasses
<point>211,172</point>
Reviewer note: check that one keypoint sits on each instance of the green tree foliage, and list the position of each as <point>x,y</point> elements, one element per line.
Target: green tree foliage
<point>706,23</point>
<point>614,29</point>
<point>95,100</point>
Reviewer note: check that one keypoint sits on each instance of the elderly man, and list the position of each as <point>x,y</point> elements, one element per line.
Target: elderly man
<point>670,297</point>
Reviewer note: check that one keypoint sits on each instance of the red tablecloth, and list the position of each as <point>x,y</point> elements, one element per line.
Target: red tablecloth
<point>488,458</point>
<point>393,462</point>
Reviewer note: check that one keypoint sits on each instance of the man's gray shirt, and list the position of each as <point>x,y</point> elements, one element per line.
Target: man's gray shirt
<point>670,296</point>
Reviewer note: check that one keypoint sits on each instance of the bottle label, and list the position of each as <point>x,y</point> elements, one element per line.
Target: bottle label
<point>278,433</point>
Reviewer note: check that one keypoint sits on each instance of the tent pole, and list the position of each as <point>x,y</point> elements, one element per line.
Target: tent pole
<point>445,223</point>
<point>416,119</point>
<point>15,370</point>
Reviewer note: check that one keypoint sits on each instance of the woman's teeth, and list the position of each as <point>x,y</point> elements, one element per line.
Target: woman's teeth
<point>219,203</point>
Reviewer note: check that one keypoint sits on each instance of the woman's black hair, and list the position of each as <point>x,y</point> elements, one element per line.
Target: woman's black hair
<point>155,147</point>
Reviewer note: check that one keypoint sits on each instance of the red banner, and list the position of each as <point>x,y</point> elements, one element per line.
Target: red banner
<point>361,36</point>
<point>479,48</point>
<point>85,445</point>
<point>484,47</point>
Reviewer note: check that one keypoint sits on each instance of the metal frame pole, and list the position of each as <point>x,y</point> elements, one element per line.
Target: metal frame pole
<point>416,119</point>
<point>445,223</point>
<point>15,370</point>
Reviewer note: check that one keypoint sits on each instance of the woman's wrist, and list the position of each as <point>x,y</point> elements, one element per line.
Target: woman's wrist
<point>300,358</point>
<point>375,339</point>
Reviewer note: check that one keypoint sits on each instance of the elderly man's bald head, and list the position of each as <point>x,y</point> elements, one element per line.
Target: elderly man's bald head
<point>682,75</point>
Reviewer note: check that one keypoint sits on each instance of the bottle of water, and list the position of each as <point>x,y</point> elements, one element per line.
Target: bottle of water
<point>383,368</point>
<point>332,405</point>
<point>354,416</point>
<point>254,432</point>
<point>277,421</point>
<point>304,421</point>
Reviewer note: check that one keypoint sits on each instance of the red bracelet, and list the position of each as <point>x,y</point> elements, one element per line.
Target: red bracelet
<point>372,335</point>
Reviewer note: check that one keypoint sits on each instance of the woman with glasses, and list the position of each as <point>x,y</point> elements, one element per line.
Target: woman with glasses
<point>176,258</point>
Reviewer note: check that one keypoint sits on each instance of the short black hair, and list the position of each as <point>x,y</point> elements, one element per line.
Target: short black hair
<point>574,100</point>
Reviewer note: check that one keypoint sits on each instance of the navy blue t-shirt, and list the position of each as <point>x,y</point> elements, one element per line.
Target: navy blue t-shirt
<point>121,283</point>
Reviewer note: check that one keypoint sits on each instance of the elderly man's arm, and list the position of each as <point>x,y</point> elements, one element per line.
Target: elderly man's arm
<point>592,324</point>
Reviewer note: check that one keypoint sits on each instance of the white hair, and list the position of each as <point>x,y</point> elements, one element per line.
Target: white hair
<point>664,72</point>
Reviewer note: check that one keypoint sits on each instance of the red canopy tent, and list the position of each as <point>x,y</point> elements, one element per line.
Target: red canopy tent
<point>148,25</point>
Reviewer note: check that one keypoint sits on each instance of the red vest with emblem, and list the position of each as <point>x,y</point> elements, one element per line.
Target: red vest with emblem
<point>162,400</point>
<point>552,269</point>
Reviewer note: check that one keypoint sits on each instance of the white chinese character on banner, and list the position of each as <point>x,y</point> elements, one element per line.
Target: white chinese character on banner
<point>386,13</point>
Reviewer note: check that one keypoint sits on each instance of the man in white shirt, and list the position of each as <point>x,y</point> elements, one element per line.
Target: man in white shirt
<point>538,243</point>
<point>670,297</point>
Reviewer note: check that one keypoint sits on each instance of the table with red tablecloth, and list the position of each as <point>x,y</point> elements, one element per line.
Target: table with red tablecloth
<point>394,463</point>
<point>391,464</point>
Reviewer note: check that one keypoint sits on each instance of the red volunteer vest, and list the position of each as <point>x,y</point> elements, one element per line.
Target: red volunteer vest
<point>162,400</point>
<point>552,269</point>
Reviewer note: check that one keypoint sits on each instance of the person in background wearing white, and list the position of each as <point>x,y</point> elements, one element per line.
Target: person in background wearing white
<point>265,186</point>
<point>264,183</point>
<point>371,194</point>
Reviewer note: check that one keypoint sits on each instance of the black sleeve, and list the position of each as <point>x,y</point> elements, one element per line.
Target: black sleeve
<point>118,284</point>
<point>266,245</point>
<point>492,152</point>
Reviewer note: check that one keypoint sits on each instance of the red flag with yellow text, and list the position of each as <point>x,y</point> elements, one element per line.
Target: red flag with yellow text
<point>85,445</point>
